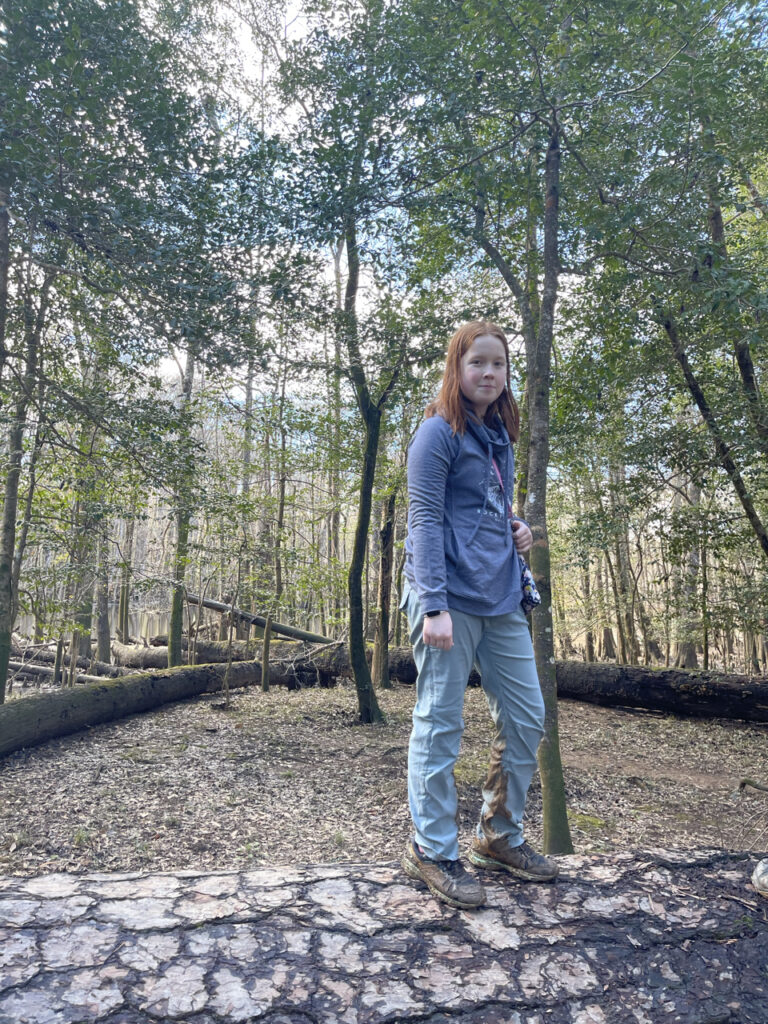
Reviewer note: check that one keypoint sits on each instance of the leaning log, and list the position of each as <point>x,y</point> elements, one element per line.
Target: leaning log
<point>259,620</point>
<point>27,721</point>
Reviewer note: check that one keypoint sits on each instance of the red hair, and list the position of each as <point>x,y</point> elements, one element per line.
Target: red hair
<point>450,404</point>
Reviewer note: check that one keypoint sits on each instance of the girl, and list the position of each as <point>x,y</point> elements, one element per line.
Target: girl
<point>462,598</point>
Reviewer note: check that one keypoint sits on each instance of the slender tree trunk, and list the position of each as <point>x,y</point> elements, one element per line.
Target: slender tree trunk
<point>265,655</point>
<point>371,414</point>
<point>686,647</point>
<point>380,667</point>
<point>33,328</point>
<point>103,637</point>
<point>722,447</point>
<point>557,837</point>
<point>369,708</point>
<point>183,521</point>
<point>589,651</point>
<point>247,599</point>
<point>5,262</point>
<point>176,623</point>
<point>123,632</point>
<point>704,600</point>
<point>619,618</point>
<point>26,521</point>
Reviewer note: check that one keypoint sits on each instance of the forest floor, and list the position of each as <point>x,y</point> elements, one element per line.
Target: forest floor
<point>289,777</point>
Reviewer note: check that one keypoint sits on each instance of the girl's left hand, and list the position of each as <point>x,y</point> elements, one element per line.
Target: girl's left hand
<point>522,536</point>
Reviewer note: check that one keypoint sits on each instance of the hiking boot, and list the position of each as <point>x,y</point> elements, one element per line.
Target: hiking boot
<point>446,879</point>
<point>520,861</point>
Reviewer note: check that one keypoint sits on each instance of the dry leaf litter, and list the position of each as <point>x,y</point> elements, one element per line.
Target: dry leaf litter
<point>290,777</point>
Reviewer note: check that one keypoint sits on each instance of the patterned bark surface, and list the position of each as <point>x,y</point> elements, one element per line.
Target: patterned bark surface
<point>639,938</point>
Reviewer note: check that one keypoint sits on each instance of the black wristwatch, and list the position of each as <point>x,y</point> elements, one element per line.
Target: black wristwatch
<point>431,615</point>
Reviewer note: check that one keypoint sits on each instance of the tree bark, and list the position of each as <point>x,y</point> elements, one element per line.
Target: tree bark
<point>122,629</point>
<point>557,838</point>
<point>623,938</point>
<point>183,518</point>
<point>33,328</point>
<point>103,637</point>
<point>5,264</point>
<point>371,414</point>
<point>380,669</point>
<point>721,445</point>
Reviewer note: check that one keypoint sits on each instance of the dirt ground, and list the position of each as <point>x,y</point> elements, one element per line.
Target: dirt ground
<point>285,777</point>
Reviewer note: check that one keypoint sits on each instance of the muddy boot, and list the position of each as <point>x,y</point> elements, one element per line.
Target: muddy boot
<point>446,879</point>
<point>520,861</point>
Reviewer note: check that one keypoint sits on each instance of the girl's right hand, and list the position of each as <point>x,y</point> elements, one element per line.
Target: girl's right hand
<point>438,631</point>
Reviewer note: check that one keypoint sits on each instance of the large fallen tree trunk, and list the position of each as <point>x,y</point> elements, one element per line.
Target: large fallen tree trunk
<point>626,938</point>
<point>30,720</point>
<point>34,719</point>
<point>703,694</point>
<point>207,652</point>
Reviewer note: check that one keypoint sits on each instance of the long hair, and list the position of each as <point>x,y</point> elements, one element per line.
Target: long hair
<point>450,403</point>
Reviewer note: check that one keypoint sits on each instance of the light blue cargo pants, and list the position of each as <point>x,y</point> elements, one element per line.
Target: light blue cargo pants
<point>500,646</point>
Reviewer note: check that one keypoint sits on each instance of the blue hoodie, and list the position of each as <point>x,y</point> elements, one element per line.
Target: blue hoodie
<point>459,549</point>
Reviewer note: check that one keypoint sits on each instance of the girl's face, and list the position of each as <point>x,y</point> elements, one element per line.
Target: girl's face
<point>483,373</point>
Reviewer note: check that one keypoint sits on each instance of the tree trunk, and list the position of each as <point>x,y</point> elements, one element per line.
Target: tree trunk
<point>645,937</point>
<point>557,837</point>
<point>33,328</point>
<point>380,669</point>
<point>176,623</point>
<point>702,694</point>
<point>265,655</point>
<point>722,447</point>
<point>371,415</point>
<point>183,494</point>
<point>5,263</point>
<point>689,626</point>
<point>31,466</point>
<point>369,706</point>
<point>103,637</point>
<point>122,629</point>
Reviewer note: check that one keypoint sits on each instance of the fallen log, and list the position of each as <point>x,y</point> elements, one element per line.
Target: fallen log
<point>698,694</point>
<point>28,669</point>
<point>624,938</point>
<point>208,653</point>
<point>30,720</point>
<point>48,657</point>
